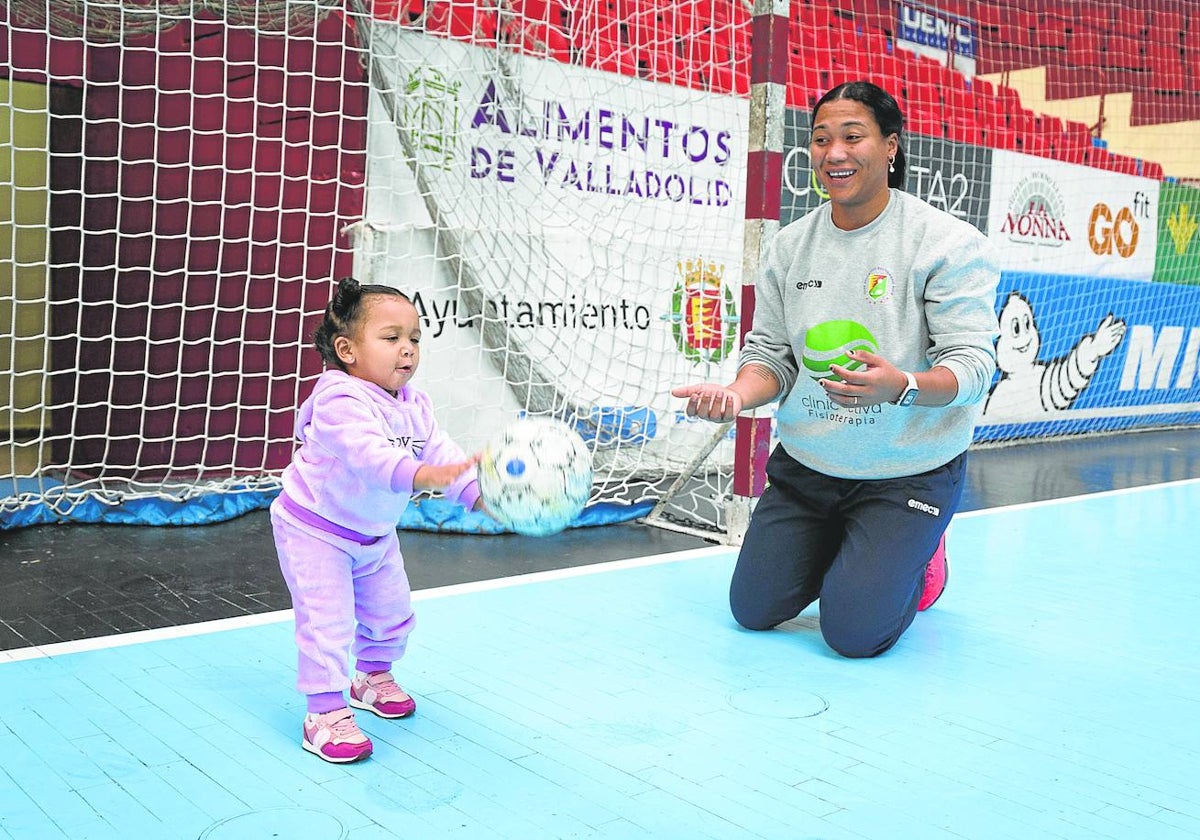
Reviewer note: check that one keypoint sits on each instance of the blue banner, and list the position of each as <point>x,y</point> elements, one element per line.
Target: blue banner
<point>1087,354</point>
<point>935,28</point>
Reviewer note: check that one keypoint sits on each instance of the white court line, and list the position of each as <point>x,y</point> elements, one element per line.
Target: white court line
<point>222,624</point>
<point>137,637</point>
<point>1100,494</point>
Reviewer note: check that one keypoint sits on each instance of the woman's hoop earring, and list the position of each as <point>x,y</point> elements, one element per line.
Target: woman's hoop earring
<point>892,164</point>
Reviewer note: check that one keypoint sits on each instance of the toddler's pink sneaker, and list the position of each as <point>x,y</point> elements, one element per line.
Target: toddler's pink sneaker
<point>937,571</point>
<point>379,693</point>
<point>335,737</point>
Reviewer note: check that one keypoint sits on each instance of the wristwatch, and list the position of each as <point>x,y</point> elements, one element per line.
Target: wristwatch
<point>909,395</point>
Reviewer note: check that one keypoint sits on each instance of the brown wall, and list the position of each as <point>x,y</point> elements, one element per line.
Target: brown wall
<point>199,179</point>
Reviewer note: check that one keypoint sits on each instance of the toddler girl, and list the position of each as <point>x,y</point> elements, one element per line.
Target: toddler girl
<point>368,441</point>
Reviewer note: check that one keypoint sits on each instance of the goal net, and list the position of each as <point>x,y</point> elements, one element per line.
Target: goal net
<point>562,187</point>
<point>557,187</point>
<point>172,179</point>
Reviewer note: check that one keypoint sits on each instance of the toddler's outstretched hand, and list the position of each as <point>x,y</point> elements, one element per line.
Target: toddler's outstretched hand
<point>441,476</point>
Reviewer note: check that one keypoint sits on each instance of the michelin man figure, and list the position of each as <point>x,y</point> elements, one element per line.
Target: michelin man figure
<point>1029,390</point>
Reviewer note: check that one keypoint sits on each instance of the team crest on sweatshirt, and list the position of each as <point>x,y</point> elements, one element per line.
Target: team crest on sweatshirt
<point>879,285</point>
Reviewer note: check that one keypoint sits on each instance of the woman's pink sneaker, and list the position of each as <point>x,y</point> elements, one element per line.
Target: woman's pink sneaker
<point>937,571</point>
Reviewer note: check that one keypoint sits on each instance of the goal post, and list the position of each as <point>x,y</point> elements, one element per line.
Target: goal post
<point>764,172</point>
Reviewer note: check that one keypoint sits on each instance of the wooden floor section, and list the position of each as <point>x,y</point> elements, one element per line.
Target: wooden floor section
<point>1053,692</point>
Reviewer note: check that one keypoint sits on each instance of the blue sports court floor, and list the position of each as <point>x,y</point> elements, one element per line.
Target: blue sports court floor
<point>1053,692</point>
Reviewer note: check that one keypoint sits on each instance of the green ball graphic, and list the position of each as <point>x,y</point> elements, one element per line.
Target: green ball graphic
<point>828,343</point>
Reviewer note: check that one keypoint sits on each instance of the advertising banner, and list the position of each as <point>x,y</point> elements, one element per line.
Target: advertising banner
<point>590,226</point>
<point>951,176</point>
<point>1049,217</point>
<point>1178,241</point>
<point>1087,354</point>
<point>927,30</point>
<point>586,226</point>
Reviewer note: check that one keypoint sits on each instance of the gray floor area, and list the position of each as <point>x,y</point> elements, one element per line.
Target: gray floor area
<point>66,582</point>
<point>1059,469</point>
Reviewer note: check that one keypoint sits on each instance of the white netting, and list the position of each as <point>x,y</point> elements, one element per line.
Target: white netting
<point>565,203</point>
<point>561,185</point>
<point>120,21</point>
<point>172,200</point>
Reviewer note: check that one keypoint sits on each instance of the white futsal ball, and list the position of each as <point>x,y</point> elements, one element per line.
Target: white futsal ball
<point>536,476</point>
